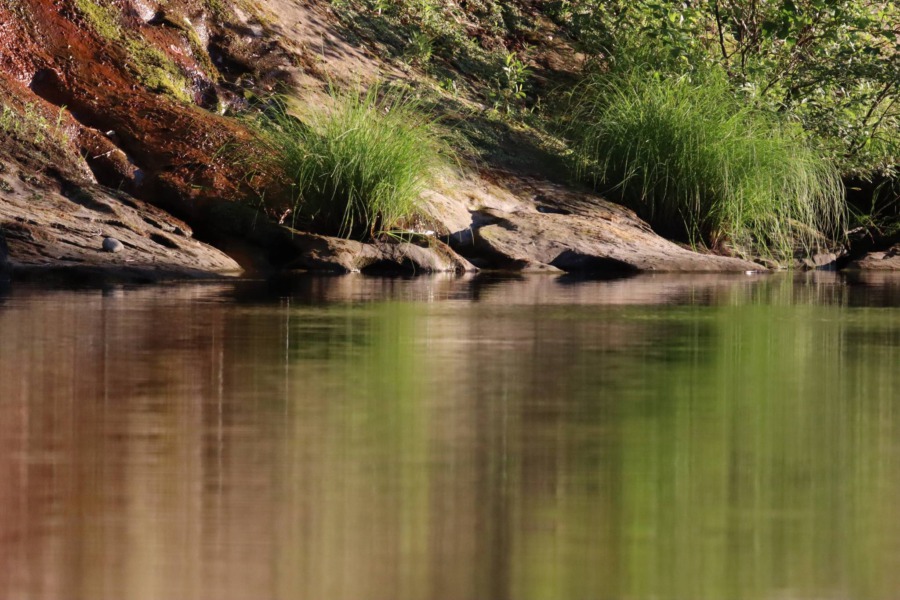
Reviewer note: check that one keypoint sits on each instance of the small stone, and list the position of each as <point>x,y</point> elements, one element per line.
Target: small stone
<point>112,245</point>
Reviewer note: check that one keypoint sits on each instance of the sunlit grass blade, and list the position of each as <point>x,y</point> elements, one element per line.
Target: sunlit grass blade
<point>703,168</point>
<point>358,166</point>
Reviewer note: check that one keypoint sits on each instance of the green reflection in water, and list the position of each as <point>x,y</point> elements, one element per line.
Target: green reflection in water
<point>522,439</point>
<point>754,456</point>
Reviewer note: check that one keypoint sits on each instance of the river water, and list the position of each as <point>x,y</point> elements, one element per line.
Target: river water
<point>462,439</point>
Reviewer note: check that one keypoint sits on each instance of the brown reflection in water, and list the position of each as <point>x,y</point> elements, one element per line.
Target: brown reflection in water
<point>549,440</point>
<point>102,411</point>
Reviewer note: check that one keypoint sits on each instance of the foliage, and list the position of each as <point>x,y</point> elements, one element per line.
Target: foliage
<point>102,18</point>
<point>831,64</point>
<point>509,89</point>
<point>701,166</point>
<point>359,167</point>
<point>480,40</point>
<point>30,125</point>
<point>420,48</point>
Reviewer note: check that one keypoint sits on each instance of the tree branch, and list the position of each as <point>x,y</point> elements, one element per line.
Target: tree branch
<point>721,34</point>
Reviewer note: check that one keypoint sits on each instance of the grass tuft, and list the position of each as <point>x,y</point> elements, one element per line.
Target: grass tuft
<point>29,125</point>
<point>359,167</point>
<point>702,167</point>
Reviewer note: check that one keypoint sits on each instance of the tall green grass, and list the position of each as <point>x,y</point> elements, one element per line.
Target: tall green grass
<point>701,166</point>
<point>359,166</point>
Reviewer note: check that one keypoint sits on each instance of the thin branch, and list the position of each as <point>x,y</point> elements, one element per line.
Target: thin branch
<point>878,100</point>
<point>721,34</point>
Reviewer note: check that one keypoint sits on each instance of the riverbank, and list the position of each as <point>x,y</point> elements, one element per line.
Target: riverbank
<point>124,164</point>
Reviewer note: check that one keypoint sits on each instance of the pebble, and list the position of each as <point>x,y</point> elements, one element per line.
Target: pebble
<point>112,245</point>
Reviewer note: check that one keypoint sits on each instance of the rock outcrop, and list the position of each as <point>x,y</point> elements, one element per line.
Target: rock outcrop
<point>127,101</point>
<point>124,86</point>
<point>48,227</point>
<point>109,114</point>
<point>578,243</point>
<point>885,260</point>
<point>534,225</point>
<point>422,255</point>
<point>261,245</point>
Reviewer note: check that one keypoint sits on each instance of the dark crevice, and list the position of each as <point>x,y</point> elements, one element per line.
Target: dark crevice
<point>575,262</point>
<point>82,197</point>
<point>405,266</point>
<point>552,210</point>
<point>164,241</point>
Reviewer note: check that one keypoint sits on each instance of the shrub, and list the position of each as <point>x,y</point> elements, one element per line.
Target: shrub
<point>701,167</point>
<point>359,166</point>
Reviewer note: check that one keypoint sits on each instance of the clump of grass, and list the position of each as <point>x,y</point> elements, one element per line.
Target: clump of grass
<point>28,124</point>
<point>702,167</point>
<point>358,167</point>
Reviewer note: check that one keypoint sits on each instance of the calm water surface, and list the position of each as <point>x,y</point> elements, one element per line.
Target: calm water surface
<point>461,439</point>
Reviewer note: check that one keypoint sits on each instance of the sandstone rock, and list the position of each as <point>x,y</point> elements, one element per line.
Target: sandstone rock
<point>534,225</point>
<point>601,240</point>
<point>46,229</point>
<point>886,260</point>
<point>823,260</point>
<point>262,245</point>
<point>321,253</point>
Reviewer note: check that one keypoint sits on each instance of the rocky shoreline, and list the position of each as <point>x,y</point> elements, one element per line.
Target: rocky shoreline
<point>109,175</point>
<point>523,242</point>
<point>551,229</point>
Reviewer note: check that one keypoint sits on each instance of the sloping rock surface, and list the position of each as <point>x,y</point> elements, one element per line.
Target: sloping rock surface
<point>47,227</point>
<point>886,260</point>
<point>556,228</point>
<point>130,92</point>
<point>320,253</point>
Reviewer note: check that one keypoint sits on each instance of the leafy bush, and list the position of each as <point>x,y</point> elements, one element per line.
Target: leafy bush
<point>831,65</point>
<point>509,88</point>
<point>358,167</point>
<point>702,167</point>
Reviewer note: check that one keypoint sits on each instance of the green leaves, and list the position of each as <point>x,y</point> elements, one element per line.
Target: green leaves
<point>509,89</point>
<point>821,62</point>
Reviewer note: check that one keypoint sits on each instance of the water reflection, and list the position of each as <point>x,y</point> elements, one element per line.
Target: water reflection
<point>526,438</point>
